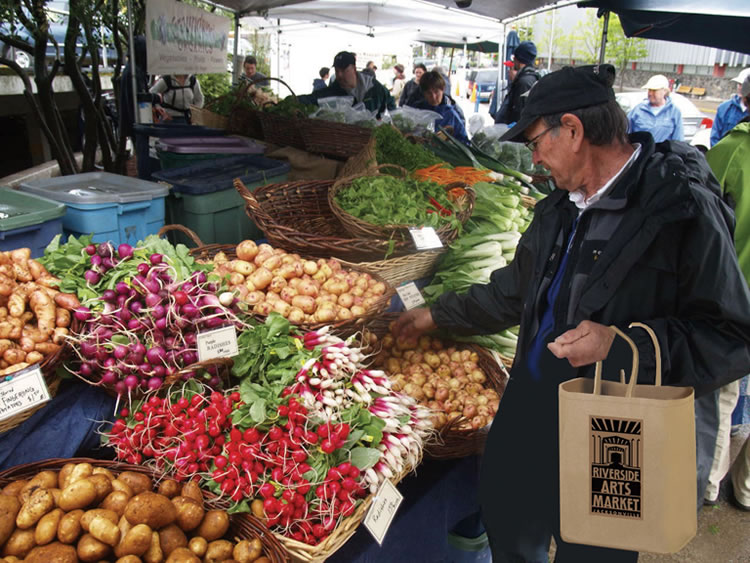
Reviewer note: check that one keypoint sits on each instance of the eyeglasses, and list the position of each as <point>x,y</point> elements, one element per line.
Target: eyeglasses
<point>531,144</point>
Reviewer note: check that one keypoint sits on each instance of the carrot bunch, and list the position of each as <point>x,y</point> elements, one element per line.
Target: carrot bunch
<point>443,176</point>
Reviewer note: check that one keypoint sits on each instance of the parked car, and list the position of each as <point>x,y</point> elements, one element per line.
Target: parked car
<point>485,80</point>
<point>696,125</point>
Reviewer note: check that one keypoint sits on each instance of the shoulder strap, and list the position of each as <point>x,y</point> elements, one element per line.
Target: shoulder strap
<point>168,82</point>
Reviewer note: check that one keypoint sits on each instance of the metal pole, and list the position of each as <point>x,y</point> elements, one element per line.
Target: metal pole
<point>235,62</point>
<point>551,41</point>
<point>278,56</point>
<point>603,47</point>
<point>131,41</point>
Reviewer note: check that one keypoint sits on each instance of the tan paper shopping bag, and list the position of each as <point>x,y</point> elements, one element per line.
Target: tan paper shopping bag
<point>627,461</point>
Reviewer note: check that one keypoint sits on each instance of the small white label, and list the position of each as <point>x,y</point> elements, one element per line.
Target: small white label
<point>410,295</point>
<point>426,238</point>
<point>382,510</point>
<point>25,390</point>
<point>218,343</point>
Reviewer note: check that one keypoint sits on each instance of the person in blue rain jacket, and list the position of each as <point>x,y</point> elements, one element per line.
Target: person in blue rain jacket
<point>432,85</point>
<point>657,114</point>
<point>730,112</point>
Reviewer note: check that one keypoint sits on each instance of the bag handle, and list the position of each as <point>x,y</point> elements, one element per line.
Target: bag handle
<point>657,348</point>
<point>633,372</point>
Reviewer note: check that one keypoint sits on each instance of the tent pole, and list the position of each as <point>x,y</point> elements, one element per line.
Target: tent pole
<point>450,64</point>
<point>551,41</point>
<point>278,56</point>
<point>235,62</point>
<point>603,47</point>
<point>131,44</point>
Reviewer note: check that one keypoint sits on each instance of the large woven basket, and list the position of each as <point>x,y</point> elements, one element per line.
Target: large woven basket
<point>241,526</point>
<point>49,367</point>
<point>356,227</point>
<point>206,253</point>
<point>296,216</point>
<point>362,161</point>
<point>451,442</point>
<point>338,140</point>
<point>246,121</point>
<point>282,130</point>
<point>206,117</point>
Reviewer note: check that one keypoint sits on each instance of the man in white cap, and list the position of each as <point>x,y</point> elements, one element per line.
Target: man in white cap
<point>657,114</point>
<point>731,112</point>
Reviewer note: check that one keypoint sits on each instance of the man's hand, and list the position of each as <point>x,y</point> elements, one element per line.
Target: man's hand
<point>414,323</point>
<point>586,344</point>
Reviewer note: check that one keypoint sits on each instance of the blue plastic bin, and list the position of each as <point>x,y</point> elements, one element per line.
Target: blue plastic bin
<point>111,207</point>
<point>146,135</point>
<point>28,221</point>
<point>203,197</point>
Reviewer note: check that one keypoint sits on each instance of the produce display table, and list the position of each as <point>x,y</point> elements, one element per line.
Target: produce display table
<point>436,499</point>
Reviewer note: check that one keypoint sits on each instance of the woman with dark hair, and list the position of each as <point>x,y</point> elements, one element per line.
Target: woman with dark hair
<point>435,99</point>
<point>411,93</point>
<point>399,81</point>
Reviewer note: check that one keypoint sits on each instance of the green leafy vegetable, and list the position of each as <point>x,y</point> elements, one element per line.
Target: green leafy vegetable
<point>391,147</point>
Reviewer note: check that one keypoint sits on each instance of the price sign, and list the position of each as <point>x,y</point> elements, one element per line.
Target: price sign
<point>218,343</point>
<point>382,510</point>
<point>25,390</point>
<point>410,295</point>
<point>425,238</point>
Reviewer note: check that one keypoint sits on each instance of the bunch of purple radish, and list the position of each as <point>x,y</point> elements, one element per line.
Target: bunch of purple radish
<point>146,332</point>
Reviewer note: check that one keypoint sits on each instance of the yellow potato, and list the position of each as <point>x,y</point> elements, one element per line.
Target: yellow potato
<point>124,527</point>
<point>182,555</point>
<point>79,472</point>
<point>262,560</point>
<point>169,488</point>
<point>91,549</point>
<point>151,509</point>
<point>118,485</point>
<point>137,481</point>
<point>116,501</point>
<point>104,471</point>
<point>198,545</point>
<point>69,527</point>
<point>46,530</point>
<point>247,551</point>
<point>215,524</point>
<point>39,504</point>
<point>79,494</point>
<point>89,515</point>
<point>9,508</point>
<point>64,475</point>
<point>171,538</point>
<point>154,553</point>
<point>52,553</point>
<point>104,530</point>
<point>13,489</point>
<point>43,479</point>
<point>129,559</point>
<point>189,513</point>
<point>135,542</point>
<point>218,551</point>
<point>103,486</point>
<point>55,495</point>
<point>19,543</point>
<point>193,491</point>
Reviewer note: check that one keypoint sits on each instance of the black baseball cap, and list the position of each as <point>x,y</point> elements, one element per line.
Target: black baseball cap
<point>344,59</point>
<point>567,89</point>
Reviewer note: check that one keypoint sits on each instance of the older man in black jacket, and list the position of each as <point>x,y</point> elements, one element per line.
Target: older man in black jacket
<point>523,76</point>
<point>635,232</point>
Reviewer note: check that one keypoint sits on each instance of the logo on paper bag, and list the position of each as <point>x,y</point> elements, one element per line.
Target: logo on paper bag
<point>616,460</point>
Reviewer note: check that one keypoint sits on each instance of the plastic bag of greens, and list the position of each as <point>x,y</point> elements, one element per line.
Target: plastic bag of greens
<point>341,110</point>
<point>487,137</point>
<point>414,121</point>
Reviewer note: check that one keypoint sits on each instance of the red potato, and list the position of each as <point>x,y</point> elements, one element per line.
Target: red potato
<point>304,302</point>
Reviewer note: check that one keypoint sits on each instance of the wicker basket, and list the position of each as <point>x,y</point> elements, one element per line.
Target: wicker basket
<point>359,228</point>
<point>361,162</point>
<point>337,140</point>
<point>282,130</point>
<point>245,121</point>
<point>451,442</point>
<point>49,370</point>
<point>241,526</point>
<point>296,216</point>
<point>203,116</point>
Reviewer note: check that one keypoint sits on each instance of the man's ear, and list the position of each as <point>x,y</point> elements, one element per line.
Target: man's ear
<point>571,126</point>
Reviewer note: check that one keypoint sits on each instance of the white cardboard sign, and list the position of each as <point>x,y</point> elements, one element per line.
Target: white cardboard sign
<point>382,510</point>
<point>425,238</point>
<point>217,343</point>
<point>25,390</point>
<point>410,295</point>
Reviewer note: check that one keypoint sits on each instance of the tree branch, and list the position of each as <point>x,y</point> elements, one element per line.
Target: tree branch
<point>17,43</point>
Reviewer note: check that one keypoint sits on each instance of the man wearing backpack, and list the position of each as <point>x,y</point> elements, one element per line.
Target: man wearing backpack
<point>523,76</point>
<point>178,93</point>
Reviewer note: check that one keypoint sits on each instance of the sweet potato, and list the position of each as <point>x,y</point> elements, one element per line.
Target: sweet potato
<point>67,301</point>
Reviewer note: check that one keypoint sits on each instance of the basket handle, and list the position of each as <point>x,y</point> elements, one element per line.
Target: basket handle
<point>251,201</point>
<point>184,230</point>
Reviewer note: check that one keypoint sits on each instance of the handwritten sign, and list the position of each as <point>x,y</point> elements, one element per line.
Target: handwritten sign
<point>218,343</point>
<point>410,295</point>
<point>382,510</point>
<point>425,238</point>
<point>24,391</point>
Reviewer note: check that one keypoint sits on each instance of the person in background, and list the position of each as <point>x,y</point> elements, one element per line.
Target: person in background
<point>435,99</point>
<point>251,74</point>
<point>635,231</point>
<point>363,87</point>
<point>322,81</point>
<point>730,161</point>
<point>399,81</point>
<point>370,68</point>
<point>178,93</point>
<point>523,76</point>
<point>730,112</point>
<point>446,78</point>
<point>411,93</point>
<point>127,111</point>
<point>657,114</point>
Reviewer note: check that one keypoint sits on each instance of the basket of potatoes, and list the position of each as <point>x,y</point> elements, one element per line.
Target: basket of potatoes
<point>69,510</point>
